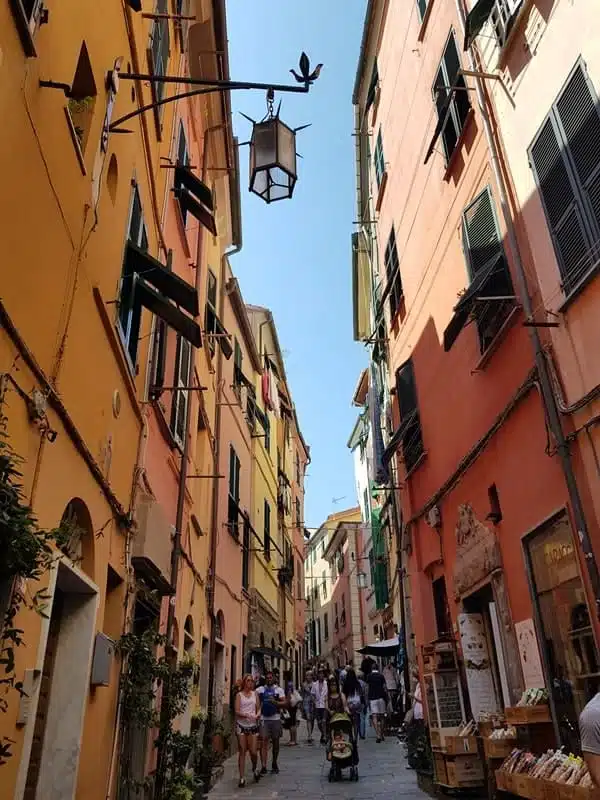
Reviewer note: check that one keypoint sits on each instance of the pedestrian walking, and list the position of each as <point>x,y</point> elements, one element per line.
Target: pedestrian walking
<point>378,700</point>
<point>319,692</point>
<point>355,699</point>
<point>336,700</point>
<point>247,712</point>
<point>272,700</point>
<point>294,699</point>
<point>308,705</point>
<point>362,727</point>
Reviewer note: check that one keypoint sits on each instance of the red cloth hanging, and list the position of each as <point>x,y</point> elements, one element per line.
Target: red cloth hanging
<point>266,389</point>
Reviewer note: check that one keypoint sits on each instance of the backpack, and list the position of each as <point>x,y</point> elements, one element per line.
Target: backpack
<point>355,702</point>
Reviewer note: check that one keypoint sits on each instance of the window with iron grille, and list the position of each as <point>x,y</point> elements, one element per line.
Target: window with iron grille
<point>378,159</point>
<point>451,97</point>
<point>210,311</point>
<point>503,16</point>
<point>181,396</point>
<point>234,493</point>
<point>422,6</point>
<point>484,252</point>
<point>159,50</point>
<point>412,435</point>
<point>267,531</point>
<point>392,273</point>
<point>565,159</point>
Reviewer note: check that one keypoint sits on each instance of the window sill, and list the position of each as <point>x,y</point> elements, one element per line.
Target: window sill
<point>116,344</point>
<point>459,144</point>
<point>579,287</point>
<point>425,21</point>
<point>381,190</point>
<point>75,140</point>
<point>497,340</point>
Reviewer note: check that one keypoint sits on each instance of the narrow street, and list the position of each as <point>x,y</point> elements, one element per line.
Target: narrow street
<point>304,770</point>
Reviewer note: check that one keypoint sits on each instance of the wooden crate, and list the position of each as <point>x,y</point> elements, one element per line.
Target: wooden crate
<point>460,745</point>
<point>575,792</point>
<point>441,773</point>
<point>527,715</point>
<point>552,790</point>
<point>528,787</point>
<point>464,771</point>
<point>501,780</point>
<point>435,737</point>
<point>498,748</point>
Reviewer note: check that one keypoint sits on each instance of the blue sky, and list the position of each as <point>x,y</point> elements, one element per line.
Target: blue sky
<point>296,257</point>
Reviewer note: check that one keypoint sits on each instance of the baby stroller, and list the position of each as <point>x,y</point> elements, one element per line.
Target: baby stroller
<point>342,750</point>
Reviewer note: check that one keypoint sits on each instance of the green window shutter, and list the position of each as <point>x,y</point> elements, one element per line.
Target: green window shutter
<point>422,6</point>
<point>481,234</point>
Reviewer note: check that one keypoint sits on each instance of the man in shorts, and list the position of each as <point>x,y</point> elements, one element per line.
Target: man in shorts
<point>378,700</point>
<point>272,699</point>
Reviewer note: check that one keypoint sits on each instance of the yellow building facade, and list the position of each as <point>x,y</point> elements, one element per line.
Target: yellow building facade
<point>78,357</point>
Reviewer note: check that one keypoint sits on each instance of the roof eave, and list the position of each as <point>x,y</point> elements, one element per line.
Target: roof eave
<point>369,14</point>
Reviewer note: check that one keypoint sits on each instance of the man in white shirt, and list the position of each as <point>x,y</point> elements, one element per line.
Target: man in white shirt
<point>320,692</point>
<point>272,699</point>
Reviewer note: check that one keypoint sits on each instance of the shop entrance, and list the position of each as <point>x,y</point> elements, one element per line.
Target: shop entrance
<point>485,665</point>
<point>569,652</point>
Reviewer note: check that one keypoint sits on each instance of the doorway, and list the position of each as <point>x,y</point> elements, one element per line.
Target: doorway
<point>54,731</point>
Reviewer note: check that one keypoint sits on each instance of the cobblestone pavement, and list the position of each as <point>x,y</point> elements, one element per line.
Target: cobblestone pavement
<point>304,770</point>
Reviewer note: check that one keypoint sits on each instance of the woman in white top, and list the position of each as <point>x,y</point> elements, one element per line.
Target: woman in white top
<point>247,713</point>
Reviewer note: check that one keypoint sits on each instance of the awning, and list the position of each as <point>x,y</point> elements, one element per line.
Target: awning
<point>464,306</point>
<point>388,647</point>
<point>361,287</point>
<point>476,19</point>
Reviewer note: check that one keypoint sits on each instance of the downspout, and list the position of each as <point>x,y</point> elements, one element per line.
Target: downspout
<point>548,397</point>
<point>400,578</point>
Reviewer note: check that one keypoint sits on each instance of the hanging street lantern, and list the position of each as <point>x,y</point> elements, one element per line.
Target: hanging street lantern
<point>361,580</point>
<point>273,155</point>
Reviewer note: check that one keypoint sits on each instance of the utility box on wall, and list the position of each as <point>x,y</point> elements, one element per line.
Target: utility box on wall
<point>104,651</point>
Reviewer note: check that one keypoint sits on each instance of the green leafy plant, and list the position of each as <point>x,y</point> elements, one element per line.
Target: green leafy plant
<point>26,554</point>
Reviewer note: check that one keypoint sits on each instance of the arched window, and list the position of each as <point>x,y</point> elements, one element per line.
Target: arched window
<point>82,99</point>
<point>76,538</point>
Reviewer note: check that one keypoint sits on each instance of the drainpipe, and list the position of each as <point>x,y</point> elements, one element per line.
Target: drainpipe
<point>548,398</point>
<point>400,578</point>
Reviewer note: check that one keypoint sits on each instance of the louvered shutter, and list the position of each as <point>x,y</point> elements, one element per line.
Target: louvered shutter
<point>422,4</point>
<point>561,201</point>
<point>180,398</point>
<point>577,112</point>
<point>481,235</point>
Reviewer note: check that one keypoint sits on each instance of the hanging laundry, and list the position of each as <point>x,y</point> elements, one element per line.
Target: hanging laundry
<point>266,388</point>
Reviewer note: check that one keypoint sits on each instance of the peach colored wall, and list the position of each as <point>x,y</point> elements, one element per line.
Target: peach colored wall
<point>552,35</point>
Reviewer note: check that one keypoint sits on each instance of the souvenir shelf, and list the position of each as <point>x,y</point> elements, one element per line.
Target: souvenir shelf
<point>455,757</point>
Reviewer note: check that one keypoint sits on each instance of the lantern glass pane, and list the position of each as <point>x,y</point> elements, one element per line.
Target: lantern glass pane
<point>286,148</point>
<point>264,144</point>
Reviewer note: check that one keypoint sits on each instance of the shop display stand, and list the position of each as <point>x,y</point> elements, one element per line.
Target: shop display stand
<point>457,765</point>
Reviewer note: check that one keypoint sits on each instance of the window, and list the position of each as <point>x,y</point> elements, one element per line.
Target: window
<point>182,25</point>
<point>325,626</point>
<point>82,99</point>
<point>180,403</point>
<point>210,311</point>
<point>234,493</point>
<point>324,584</point>
<point>238,375</point>
<point>337,621</point>
<point>422,6</point>
<point>298,476</point>
<point>159,52</point>
<point>28,15</point>
<point>137,235</point>
<point>487,266</point>
<point>267,530</point>
<point>503,16</point>
<point>392,274</point>
<point>451,99</point>
<point>410,423</point>
<point>183,160</point>
<point>298,514</point>
<point>565,158</point>
<point>378,159</point>
<point>372,567</point>
<point>373,85</point>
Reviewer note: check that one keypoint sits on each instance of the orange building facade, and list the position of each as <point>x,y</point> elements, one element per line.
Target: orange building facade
<point>481,506</point>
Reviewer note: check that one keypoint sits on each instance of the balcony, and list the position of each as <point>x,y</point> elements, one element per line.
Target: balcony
<point>151,548</point>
